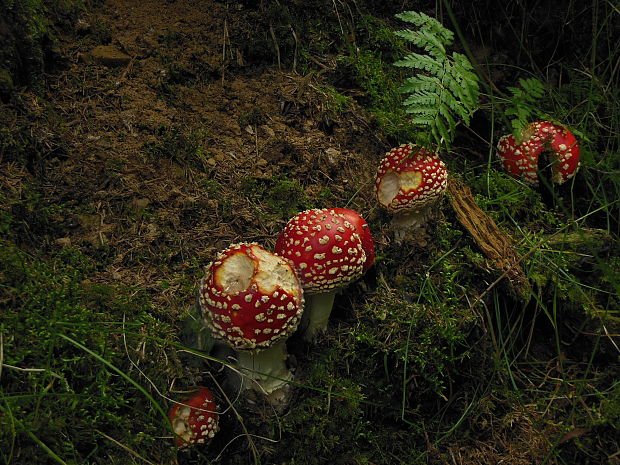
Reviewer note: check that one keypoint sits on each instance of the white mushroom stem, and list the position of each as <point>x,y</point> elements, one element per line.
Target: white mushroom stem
<point>318,308</point>
<point>408,221</point>
<point>265,371</point>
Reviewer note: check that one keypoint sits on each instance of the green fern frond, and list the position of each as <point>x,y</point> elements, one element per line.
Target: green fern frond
<point>426,23</point>
<point>445,89</point>
<point>523,103</point>
<point>425,62</point>
<point>422,121</point>
<point>424,40</point>
<point>421,83</point>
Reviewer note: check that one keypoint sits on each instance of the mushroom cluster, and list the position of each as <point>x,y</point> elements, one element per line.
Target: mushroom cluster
<point>252,300</point>
<point>521,155</point>
<point>330,248</point>
<point>410,180</point>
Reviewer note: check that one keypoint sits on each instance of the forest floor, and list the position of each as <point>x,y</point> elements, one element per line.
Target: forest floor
<point>161,144</point>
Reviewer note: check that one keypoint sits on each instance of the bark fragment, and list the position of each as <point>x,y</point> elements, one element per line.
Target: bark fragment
<point>495,244</point>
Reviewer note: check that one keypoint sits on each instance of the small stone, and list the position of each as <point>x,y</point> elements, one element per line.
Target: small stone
<point>89,221</point>
<point>332,155</point>
<point>109,55</point>
<point>139,205</point>
<point>152,232</point>
<point>63,241</point>
<point>270,132</point>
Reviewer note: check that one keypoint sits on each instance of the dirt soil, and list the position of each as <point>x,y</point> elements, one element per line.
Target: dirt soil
<point>239,124</point>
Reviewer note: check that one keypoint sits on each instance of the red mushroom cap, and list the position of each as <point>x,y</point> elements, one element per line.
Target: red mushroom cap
<point>250,297</point>
<point>410,178</point>
<point>194,421</point>
<point>520,157</point>
<point>363,230</point>
<point>325,247</point>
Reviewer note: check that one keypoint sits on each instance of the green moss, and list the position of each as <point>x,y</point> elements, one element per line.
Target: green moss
<point>374,34</point>
<point>372,74</point>
<point>178,144</point>
<point>505,199</point>
<point>379,82</point>
<point>340,420</point>
<point>65,392</point>
<point>322,419</point>
<point>335,103</point>
<point>278,197</point>
<point>420,343</point>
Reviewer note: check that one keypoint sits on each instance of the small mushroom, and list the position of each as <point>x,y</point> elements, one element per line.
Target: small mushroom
<point>520,156</point>
<point>330,248</point>
<point>195,420</point>
<point>409,182</point>
<point>251,299</point>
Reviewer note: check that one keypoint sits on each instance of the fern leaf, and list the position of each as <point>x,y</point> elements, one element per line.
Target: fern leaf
<point>424,40</point>
<point>425,62</point>
<point>440,131</point>
<point>523,103</point>
<point>420,83</point>
<point>423,120</point>
<point>446,112</point>
<point>445,89</point>
<point>533,87</point>
<point>423,108</point>
<point>425,22</point>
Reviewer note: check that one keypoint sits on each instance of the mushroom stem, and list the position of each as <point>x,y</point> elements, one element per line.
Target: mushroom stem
<point>265,371</point>
<point>316,314</point>
<point>408,221</point>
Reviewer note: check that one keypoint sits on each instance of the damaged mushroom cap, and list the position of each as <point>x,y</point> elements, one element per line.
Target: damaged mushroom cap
<point>410,179</point>
<point>250,297</point>
<point>325,247</point>
<point>195,420</point>
<point>520,156</point>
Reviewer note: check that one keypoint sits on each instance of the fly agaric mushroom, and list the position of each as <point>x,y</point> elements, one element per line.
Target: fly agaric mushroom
<point>363,230</point>
<point>409,181</point>
<point>327,247</point>
<point>520,155</point>
<point>195,420</point>
<point>251,299</point>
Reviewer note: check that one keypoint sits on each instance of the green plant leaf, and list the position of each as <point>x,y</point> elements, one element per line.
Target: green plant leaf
<point>445,89</point>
